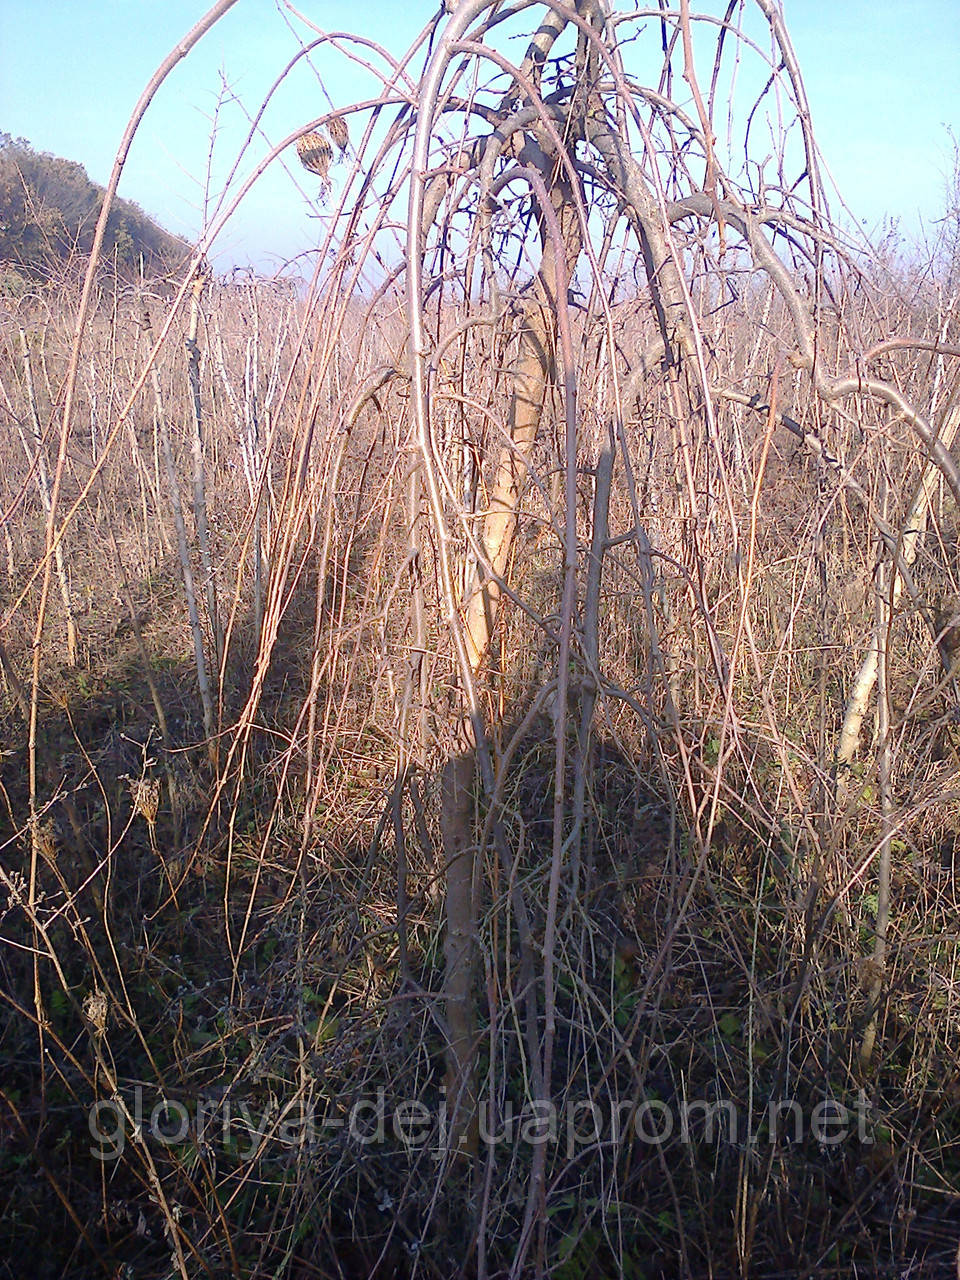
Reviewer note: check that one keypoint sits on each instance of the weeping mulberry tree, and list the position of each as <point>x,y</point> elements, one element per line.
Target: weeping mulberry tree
<point>658,168</point>
<point>614,483</point>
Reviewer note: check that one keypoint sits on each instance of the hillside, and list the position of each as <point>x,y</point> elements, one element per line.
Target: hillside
<point>48,215</point>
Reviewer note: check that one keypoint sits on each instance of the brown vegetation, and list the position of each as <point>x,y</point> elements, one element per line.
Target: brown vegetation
<point>513,676</point>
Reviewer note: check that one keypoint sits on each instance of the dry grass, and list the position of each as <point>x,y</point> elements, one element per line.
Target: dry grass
<point>250,924</point>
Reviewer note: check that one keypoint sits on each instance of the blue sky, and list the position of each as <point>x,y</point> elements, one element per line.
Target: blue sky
<point>881,76</point>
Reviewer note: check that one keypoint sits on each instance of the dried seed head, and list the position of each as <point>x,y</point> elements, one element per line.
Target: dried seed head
<point>339,134</point>
<point>145,793</point>
<point>95,1011</point>
<point>46,837</point>
<point>315,153</point>
<point>17,883</point>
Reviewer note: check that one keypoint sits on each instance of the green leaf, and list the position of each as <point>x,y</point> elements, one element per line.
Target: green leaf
<point>729,1025</point>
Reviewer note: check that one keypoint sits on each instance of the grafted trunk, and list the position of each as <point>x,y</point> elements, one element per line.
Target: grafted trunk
<point>481,603</point>
<point>533,369</point>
